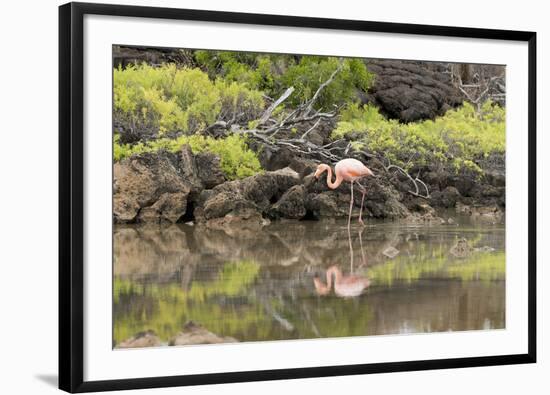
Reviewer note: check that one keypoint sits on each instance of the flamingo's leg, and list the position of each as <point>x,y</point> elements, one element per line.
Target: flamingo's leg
<point>350,205</point>
<point>364,192</point>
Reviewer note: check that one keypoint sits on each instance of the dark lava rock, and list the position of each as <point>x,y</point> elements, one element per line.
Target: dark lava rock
<point>411,90</point>
<point>190,170</point>
<point>257,193</point>
<point>162,186</point>
<point>127,55</point>
<point>275,160</point>
<point>291,205</point>
<point>140,183</point>
<point>328,204</point>
<point>382,200</point>
<point>446,198</point>
<point>209,170</point>
<point>303,166</point>
<point>170,207</point>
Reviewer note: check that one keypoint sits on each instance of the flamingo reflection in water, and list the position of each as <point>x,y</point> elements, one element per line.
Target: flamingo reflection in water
<point>344,286</point>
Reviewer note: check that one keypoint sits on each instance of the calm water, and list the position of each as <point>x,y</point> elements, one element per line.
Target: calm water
<point>259,285</point>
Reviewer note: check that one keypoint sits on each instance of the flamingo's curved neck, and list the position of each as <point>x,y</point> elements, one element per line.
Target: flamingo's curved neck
<point>337,182</point>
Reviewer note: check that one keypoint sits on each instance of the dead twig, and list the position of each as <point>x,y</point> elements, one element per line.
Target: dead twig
<point>415,181</point>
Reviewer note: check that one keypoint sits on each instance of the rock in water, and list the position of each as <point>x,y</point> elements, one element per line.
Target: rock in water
<point>382,200</point>
<point>291,204</point>
<point>241,197</point>
<point>446,198</point>
<point>142,181</point>
<point>391,252</point>
<point>160,186</point>
<point>168,208</point>
<point>461,249</point>
<point>194,333</point>
<point>141,339</point>
<point>484,249</point>
<point>490,213</point>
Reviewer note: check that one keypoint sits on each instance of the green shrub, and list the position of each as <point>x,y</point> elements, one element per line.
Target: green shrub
<point>236,159</point>
<point>251,69</point>
<point>273,74</point>
<point>458,138</point>
<point>311,71</point>
<point>173,99</point>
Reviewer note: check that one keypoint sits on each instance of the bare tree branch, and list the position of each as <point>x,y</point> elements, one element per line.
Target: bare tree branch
<point>322,86</point>
<point>415,182</point>
<point>275,104</point>
<point>311,128</point>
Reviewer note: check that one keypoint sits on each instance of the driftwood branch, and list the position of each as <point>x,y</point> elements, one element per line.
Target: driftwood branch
<point>268,131</point>
<point>274,105</point>
<point>415,181</point>
<point>304,114</point>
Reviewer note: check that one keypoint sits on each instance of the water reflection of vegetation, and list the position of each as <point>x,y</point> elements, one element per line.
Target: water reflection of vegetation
<point>229,306</point>
<point>243,285</point>
<point>233,280</point>
<point>484,267</point>
<point>164,308</point>
<point>480,266</point>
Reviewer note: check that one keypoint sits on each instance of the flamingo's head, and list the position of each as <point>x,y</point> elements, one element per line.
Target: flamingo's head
<point>320,288</point>
<point>320,170</point>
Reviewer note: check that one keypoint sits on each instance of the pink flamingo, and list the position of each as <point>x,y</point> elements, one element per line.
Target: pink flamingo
<point>344,286</point>
<point>347,170</point>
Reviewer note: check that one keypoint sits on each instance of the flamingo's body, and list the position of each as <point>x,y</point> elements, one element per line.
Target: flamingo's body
<point>350,170</point>
<point>344,286</point>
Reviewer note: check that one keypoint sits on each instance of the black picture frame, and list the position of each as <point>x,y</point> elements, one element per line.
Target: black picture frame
<point>71,198</point>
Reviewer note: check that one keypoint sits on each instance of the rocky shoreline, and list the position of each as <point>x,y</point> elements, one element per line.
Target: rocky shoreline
<point>164,187</point>
<point>191,333</point>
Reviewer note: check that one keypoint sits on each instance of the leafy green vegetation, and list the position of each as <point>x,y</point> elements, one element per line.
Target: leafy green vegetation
<point>236,159</point>
<point>253,70</point>
<point>458,138</point>
<point>311,71</point>
<point>170,99</point>
<point>273,74</point>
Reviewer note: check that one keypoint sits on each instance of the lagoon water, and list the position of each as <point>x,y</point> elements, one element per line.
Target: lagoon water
<point>258,285</point>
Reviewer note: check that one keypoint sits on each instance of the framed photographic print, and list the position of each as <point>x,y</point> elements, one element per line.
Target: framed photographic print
<point>253,197</point>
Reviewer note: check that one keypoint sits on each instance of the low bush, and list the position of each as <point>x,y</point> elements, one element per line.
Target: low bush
<point>311,71</point>
<point>170,99</point>
<point>273,74</point>
<point>458,138</point>
<point>236,159</point>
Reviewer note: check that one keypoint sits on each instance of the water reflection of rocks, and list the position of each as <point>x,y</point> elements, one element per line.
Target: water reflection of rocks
<point>164,253</point>
<point>252,285</point>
